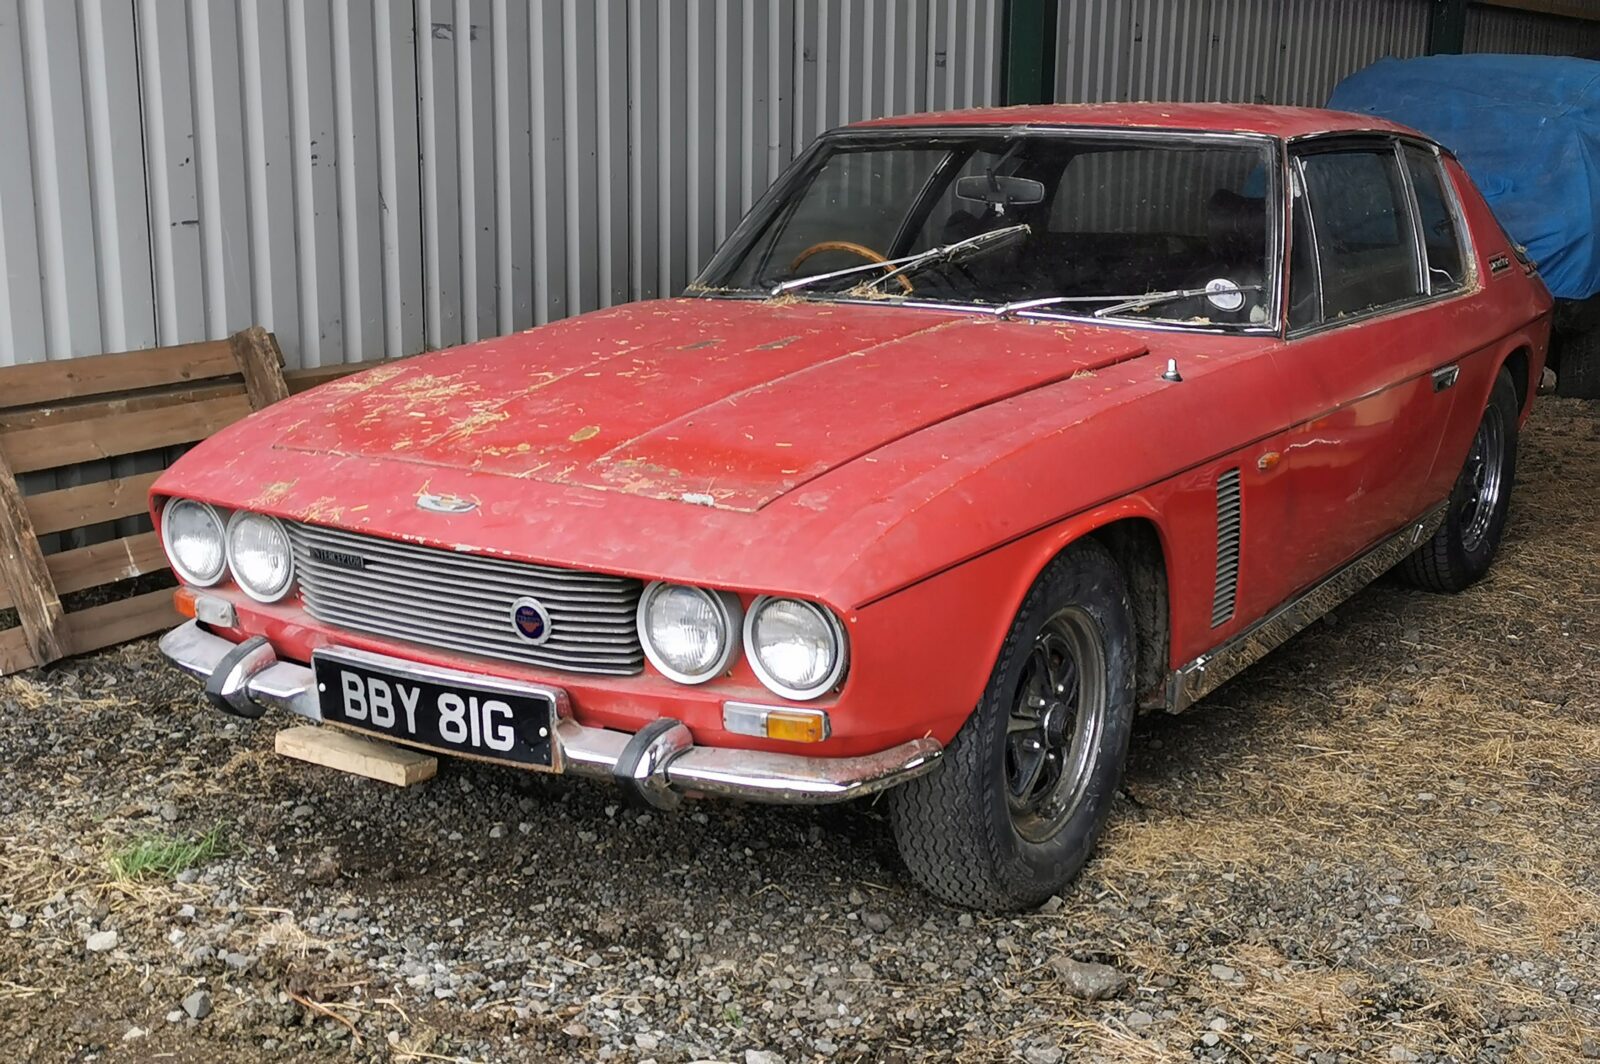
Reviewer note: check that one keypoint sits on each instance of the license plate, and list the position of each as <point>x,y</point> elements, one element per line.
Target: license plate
<point>468,717</point>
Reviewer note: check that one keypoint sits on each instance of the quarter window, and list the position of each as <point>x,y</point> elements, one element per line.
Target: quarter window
<point>1365,246</point>
<point>1439,236</point>
<point>1304,309</point>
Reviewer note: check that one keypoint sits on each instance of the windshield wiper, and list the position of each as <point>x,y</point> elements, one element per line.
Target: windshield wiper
<point>954,252</point>
<point>944,253</point>
<point>1120,303</point>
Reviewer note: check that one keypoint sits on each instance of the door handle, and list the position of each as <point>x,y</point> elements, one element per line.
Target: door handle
<point>1445,377</point>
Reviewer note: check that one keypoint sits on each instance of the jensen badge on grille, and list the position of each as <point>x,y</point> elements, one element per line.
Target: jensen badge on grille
<point>445,504</point>
<point>530,619</point>
<point>340,558</point>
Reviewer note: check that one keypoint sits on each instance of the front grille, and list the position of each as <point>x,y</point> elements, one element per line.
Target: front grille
<point>456,601</point>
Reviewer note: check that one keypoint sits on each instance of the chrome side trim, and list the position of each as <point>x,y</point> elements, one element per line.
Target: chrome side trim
<point>1193,681</point>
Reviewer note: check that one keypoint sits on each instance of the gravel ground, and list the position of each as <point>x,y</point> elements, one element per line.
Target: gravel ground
<point>1382,844</point>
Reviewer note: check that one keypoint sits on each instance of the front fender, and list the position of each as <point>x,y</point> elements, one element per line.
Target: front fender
<point>924,653</point>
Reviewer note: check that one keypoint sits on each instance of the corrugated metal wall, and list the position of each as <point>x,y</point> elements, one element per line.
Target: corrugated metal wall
<point>1253,51</point>
<point>1268,51</point>
<point>176,169</point>
<point>1498,29</point>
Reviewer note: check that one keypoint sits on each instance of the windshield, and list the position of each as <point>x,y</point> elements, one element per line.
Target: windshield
<point>1097,221</point>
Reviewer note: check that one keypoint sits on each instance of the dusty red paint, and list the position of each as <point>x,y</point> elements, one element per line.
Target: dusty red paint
<point>1284,122</point>
<point>914,469</point>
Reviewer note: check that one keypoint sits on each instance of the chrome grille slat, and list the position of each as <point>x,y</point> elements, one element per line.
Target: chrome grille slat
<point>478,578</point>
<point>462,602</point>
<point>468,619</point>
<point>617,667</point>
<point>499,595</point>
<point>464,635</point>
<point>373,545</point>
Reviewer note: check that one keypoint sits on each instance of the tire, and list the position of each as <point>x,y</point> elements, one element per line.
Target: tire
<point>1578,369</point>
<point>1465,544</point>
<point>962,832</point>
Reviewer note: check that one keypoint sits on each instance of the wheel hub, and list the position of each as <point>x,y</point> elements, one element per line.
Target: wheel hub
<point>1482,479</point>
<point>1056,721</point>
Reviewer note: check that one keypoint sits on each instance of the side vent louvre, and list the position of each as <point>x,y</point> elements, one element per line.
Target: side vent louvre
<point>1228,524</point>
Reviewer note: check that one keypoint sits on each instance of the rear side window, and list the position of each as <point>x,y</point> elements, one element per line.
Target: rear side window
<point>1440,237</point>
<point>1365,248</point>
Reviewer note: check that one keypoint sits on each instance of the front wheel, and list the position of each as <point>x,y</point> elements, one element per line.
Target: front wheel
<point>1027,783</point>
<point>1461,550</point>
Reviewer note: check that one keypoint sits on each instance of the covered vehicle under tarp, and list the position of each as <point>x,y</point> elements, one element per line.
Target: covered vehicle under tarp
<point>1527,128</point>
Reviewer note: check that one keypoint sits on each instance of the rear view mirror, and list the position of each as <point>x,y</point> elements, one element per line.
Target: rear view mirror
<point>1001,192</point>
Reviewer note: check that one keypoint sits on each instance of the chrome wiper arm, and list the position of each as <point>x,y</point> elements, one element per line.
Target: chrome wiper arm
<point>946,252</point>
<point>796,283</point>
<point>1005,310</point>
<point>1122,302</point>
<point>955,250</point>
<point>1152,298</point>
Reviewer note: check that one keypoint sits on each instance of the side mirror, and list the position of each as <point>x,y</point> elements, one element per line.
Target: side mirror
<point>999,192</point>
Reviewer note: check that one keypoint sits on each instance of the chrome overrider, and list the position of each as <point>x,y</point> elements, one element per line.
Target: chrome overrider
<point>658,764</point>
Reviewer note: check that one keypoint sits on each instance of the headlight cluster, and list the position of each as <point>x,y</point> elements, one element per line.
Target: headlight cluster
<point>258,554</point>
<point>796,648</point>
<point>192,534</point>
<point>688,633</point>
<point>202,546</point>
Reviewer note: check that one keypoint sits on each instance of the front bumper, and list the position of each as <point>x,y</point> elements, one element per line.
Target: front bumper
<point>657,764</point>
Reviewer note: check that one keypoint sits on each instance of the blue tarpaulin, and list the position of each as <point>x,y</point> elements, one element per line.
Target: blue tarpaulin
<point>1527,128</point>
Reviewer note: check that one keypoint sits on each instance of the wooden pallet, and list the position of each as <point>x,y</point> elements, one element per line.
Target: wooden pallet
<point>56,415</point>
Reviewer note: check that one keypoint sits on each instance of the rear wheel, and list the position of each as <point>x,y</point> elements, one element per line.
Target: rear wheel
<point>1462,549</point>
<point>1027,783</point>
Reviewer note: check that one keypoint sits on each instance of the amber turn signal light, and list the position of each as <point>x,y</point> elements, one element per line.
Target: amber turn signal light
<point>208,608</point>
<point>797,726</point>
<point>776,722</point>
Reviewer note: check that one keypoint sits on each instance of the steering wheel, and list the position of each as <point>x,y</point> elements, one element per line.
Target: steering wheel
<point>854,249</point>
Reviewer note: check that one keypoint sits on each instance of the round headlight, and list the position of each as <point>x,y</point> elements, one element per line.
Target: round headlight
<point>688,633</point>
<point>258,554</point>
<point>796,648</point>
<point>192,534</point>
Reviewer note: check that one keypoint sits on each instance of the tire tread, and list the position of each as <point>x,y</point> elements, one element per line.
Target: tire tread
<point>942,832</point>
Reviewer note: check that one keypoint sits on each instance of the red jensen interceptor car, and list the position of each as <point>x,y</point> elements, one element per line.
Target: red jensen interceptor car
<point>984,431</point>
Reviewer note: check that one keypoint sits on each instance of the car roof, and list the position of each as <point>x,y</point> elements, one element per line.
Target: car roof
<point>1282,122</point>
